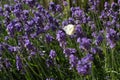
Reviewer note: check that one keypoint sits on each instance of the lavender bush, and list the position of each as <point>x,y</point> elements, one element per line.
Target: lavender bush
<point>34,45</point>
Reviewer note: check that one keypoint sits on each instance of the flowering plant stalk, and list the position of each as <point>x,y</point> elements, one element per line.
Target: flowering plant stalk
<point>59,39</point>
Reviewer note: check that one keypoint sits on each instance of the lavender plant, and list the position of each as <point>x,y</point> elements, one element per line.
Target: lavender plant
<point>35,45</point>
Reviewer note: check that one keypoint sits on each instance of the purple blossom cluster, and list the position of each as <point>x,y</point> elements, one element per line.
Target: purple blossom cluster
<point>25,26</point>
<point>61,38</point>
<point>85,43</point>
<point>55,8</point>
<point>83,65</point>
<point>52,54</point>
<point>94,4</point>
<point>18,62</point>
<point>107,33</point>
<point>109,17</point>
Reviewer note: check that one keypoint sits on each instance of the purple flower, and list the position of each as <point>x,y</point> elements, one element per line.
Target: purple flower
<point>49,62</point>
<point>61,38</point>
<point>93,5</point>
<point>18,62</point>
<point>77,14</point>
<point>85,43</point>
<point>7,63</point>
<point>25,15</point>
<point>18,26</point>
<point>69,51</point>
<point>58,8</point>
<point>1,11</point>
<point>84,65</point>
<point>112,36</point>
<point>17,1</point>
<point>72,61</point>
<point>40,8</point>
<point>50,79</point>
<point>31,3</point>
<point>79,31</point>
<point>13,48</point>
<point>96,50</point>
<point>52,54</point>
<point>37,20</point>
<point>47,27</point>
<point>103,15</point>
<point>99,39</point>
<point>18,6</point>
<point>64,23</point>
<point>26,12</point>
<point>119,2</point>
<point>7,7</point>
<point>33,53</point>
<point>27,44</point>
<point>114,6</point>
<point>10,29</point>
<point>33,35</point>
<point>39,31</point>
<point>87,58</point>
<point>17,13</point>
<point>48,38</point>
<point>106,6</point>
<point>65,3</point>
<point>92,25</point>
<point>1,47</point>
<point>83,69</point>
<point>52,6</point>
<point>31,23</point>
<point>71,21</point>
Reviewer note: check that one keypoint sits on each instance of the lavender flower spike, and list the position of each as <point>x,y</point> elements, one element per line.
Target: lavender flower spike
<point>18,62</point>
<point>52,54</point>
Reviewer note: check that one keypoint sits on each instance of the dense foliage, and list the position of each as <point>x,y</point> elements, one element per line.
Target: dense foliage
<point>36,44</point>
